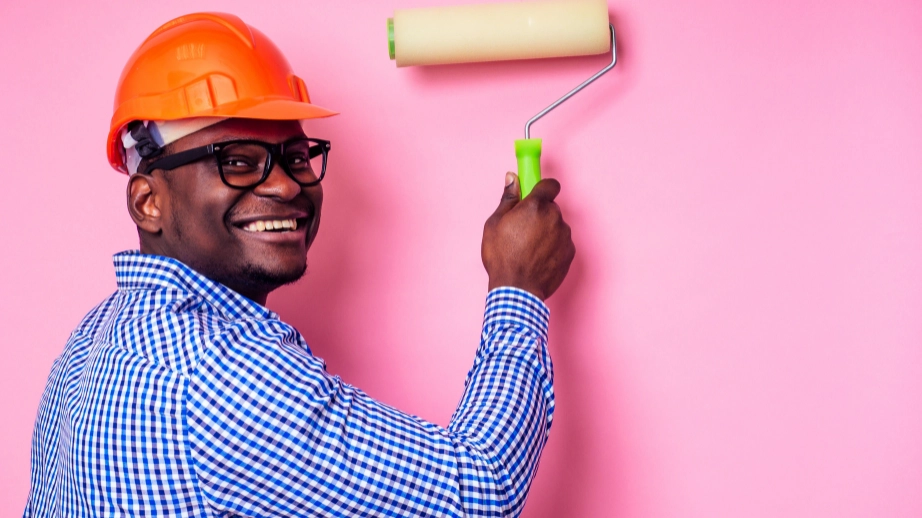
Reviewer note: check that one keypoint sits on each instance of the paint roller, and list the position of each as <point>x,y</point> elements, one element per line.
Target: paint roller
<point>505,31</point>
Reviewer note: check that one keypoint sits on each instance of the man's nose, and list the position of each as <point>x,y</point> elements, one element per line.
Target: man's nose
<point>278,184</point>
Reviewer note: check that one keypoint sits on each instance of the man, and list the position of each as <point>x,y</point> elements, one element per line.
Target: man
<point>182,395</point>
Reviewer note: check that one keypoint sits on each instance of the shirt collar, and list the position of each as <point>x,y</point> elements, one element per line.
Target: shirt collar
<point>137,271</point>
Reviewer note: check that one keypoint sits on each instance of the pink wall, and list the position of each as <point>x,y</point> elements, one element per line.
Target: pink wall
<point>741,333</point>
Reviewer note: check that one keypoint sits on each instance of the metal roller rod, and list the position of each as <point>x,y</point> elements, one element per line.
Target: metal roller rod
<point>571,93</point>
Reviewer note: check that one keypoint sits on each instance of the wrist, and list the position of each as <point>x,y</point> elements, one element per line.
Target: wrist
<point>513,283</point>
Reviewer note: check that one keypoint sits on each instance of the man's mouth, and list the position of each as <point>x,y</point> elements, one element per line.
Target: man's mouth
<point>273,225</point>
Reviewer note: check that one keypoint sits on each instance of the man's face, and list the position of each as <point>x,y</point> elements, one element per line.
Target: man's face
<point>210,226</point>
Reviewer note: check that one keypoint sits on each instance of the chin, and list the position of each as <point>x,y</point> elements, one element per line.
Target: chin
<point>252,277</point>
<point>272,276</point>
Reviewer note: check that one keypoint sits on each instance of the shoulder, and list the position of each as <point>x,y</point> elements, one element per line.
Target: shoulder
<point>265,356</point>
<point>261,338</point>
<point>167,327</point>
<point>94,318</point>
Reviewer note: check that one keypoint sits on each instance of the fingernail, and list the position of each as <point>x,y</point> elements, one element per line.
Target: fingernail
<point>510,179</point>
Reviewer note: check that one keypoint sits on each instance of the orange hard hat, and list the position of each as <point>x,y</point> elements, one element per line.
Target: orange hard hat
<point>207,65</point>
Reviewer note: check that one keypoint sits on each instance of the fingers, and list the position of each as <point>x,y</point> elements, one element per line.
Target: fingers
<point>526,243</point>
<point>545,190</point>
<point>510,195</point>
<point>512,187</point>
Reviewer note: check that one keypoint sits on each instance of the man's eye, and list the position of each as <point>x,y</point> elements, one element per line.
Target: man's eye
<point>235,162</point>
<point>297,159</point>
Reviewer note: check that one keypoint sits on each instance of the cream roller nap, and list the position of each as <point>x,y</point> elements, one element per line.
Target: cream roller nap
<point>505,31</point>
<point>497,32</point>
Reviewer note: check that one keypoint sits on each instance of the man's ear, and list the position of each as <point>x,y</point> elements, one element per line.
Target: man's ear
<point>146,195</point>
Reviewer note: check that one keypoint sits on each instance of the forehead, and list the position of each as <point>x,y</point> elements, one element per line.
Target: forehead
<point>232,129</point>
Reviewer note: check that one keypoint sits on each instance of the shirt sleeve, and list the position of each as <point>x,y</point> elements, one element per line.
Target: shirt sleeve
<point>273,434</point>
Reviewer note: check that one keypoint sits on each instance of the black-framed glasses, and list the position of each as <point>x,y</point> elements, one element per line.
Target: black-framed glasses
<point>244,164</point>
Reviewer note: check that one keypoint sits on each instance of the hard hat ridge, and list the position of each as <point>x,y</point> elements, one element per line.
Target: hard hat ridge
<point>229,21</point>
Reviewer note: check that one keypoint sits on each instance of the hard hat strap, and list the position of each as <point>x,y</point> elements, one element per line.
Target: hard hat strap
<point>146,145</point>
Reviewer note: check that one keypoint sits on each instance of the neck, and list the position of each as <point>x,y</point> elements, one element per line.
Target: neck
<point>257,293</point>
<point>259,297</point>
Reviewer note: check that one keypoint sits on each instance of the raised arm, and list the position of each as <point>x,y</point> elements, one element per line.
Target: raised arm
<point>275,435</point>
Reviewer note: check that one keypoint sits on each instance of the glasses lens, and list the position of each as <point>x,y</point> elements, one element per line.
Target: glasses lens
<point>243,164</point>
<point>305,160</point>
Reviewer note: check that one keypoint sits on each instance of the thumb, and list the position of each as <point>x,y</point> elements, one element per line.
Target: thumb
<point>510,195</point>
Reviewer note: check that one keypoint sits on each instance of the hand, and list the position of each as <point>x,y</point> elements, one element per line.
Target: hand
<point>526,243</point>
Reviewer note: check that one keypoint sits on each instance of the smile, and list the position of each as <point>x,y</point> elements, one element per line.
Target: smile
<point>271,225</point>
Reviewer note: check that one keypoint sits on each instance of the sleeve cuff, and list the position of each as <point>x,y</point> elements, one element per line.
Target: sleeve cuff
<point>508,305</point>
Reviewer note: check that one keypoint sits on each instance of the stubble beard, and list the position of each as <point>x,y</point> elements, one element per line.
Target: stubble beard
<point>249,276</point>
<point>253,278</point>
<point>262,277</point>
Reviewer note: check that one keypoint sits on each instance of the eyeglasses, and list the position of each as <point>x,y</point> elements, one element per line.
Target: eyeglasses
<point>244,164</point>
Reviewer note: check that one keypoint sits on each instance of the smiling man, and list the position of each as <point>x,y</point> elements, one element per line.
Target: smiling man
<point>182,395</point>
<point>247,227</point>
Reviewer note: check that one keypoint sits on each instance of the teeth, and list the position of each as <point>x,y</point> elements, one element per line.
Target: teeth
<point>273,224</point>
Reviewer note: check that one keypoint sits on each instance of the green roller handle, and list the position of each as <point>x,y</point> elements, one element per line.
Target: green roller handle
<point>528,155</point>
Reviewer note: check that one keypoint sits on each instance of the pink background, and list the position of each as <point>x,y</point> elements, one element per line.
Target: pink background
<point>741,332</point>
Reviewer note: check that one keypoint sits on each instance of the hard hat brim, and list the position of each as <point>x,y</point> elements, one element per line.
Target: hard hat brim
<point>277,109</point>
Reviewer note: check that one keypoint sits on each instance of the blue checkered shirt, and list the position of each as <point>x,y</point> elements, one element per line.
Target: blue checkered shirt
<point>178,397</point>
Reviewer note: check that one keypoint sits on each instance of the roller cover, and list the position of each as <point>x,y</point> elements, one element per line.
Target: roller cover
<point>495,32</point>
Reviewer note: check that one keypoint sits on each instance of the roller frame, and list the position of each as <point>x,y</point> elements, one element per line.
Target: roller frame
<point>584,84</point>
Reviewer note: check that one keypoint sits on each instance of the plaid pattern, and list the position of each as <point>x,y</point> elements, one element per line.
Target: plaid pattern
<point>178,397</point>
